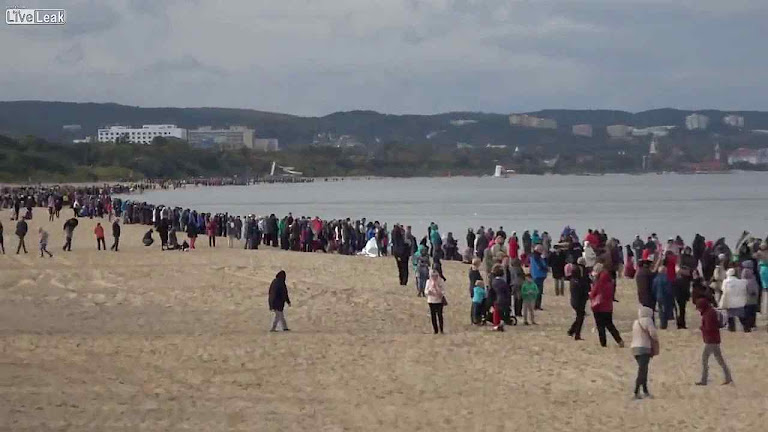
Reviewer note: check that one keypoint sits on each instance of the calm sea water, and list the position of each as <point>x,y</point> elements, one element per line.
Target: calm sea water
<point>670,204</point>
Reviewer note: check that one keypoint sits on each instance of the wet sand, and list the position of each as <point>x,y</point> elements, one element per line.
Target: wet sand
<point>150,340</point>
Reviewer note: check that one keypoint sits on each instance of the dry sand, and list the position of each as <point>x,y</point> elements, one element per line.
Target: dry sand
<point>150,340</point>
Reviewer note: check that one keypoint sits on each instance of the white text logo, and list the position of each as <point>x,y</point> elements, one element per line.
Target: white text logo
<point>17,16</point>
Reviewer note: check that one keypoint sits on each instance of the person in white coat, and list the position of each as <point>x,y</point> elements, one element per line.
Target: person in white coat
<point>435,291</point>
<point>645,345</point>
<point>733,298</point>
<point>590,257</point>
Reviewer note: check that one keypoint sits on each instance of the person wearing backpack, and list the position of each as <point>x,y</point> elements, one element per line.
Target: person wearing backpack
<point>710,332</point>
<point>645,345</point>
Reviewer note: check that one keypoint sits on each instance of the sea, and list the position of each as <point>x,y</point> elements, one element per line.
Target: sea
<point>713,205</point>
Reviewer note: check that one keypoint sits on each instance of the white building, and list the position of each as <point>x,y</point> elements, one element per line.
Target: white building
<point>269,144</point>
<point>657,131</point>
<point>225,139</point>
<point>143,135</point>
<point>618,131</point>
<point>582,130</point>
<point>697,122</point>
<point>532,122</point>
<point>734,120</point>
<point>749,156</point>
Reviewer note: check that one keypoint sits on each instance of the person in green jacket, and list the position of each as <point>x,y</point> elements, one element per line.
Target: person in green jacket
<point>529,292</point>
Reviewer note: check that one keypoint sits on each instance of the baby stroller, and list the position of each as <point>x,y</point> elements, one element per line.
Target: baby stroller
<point>488,315</point>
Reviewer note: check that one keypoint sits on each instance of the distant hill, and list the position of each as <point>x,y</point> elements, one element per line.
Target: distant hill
<point>45,120</point>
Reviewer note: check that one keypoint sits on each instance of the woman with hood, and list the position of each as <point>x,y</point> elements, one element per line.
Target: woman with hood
<point>645,345</point>
<point>590,257</point>
<point>580,286</point>
<point>536,238</point>
<point>192,234</point>
<point>601,299</point>
<point>423,269</point>
<point>539,270</point>
<point>514,246</point>
<point>733,299</point>
<point>753,296</point>
<point>662,291</point>
<point>435,293</point>
<point>278,298</point>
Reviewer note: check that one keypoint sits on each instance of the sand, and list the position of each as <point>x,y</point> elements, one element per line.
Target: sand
<point>151,340</point>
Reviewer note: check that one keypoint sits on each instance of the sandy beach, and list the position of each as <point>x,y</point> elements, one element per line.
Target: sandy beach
<point>151,340</point>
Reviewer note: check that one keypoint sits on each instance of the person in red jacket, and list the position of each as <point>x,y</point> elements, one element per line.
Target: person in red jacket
<point>601,298</point>
<point>710,332</point>
<point>211,231</point>
<point>99,232</point>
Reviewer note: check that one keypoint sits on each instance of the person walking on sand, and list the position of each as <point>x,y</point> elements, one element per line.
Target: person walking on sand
<point>580,285</point>
<point>2,239</point>
<point>21,232</point>
<point>278,298</point>
<point>710,332</point>
<point>435,292</point>
<point>69,231</point>
<point>115,235</point>
<point>645,345</point>
<point>44,243</point>
<point>601,299</point>
<point>99,232</point>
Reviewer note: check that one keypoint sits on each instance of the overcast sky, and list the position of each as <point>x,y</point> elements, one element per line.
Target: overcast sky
<point>314,57</point>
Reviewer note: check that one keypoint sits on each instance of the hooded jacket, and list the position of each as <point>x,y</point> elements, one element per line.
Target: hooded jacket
<point>602,293</point>
<point>710,324</point>
<point>503,292</point>
<point>278,293</point>
<point>538,266</point>
<point>580,285</point>
<point>643,331</point>
<point>764,274</point>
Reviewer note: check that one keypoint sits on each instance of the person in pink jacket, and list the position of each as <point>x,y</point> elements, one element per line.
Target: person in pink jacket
<point>435,290</point>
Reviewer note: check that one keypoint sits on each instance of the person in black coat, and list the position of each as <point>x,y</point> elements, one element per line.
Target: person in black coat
<point>580,285</point>
<point>278,298</point>
<point>401,252</point>
<point>116,235</point>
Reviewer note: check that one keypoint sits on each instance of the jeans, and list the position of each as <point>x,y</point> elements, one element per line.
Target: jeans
<point>539,283</point>
<point>21,245</point>
<point>436,312</point>
<point>423,277</point>
<point>681,302</point>
<point>279,318</point>
<point>666,312</point>
<point>710,349</point>
<point>68,244</point>
<point>477,313</point>
<point>116,244</point>
<point>402,270</point>
<point>604,321</point>
<point>642,372</point>
<point>99,242</point>
<point>560,287</point>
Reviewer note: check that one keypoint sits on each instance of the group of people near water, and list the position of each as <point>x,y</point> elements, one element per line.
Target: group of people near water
<point>506,273</point>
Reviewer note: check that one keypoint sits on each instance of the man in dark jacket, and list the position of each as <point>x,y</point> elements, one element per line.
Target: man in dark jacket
<point>638,245</point>
<point>471,240</point>
<point>21,232</point>
<point>278,298</point>
<point>710,332</point>
<point>503,293</point>
<point>116,235</point>
<point>644,280</point>
<point>580,285</point>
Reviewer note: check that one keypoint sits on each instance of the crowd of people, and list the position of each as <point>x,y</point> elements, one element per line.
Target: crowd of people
<point>506,272</point>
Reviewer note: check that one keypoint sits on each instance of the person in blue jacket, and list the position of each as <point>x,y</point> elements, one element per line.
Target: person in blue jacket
<point>539,272</point>
<point>662,290</point>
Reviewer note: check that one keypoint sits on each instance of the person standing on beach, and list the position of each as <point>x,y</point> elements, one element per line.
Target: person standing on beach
<point>116,235</point>
<point>21,232</point>
<point>601,299</point>
<point>44,243</point>
<point>710,332</point>
<point>278,298</point>
<point>580,285</point>
<point>529,292</point>
<point>435,292</point>
<point>99,232</point>
<point>401,252</point>
<point>645,345</point>
<point>2,238</point>
<point>423,266</point>
<point>539,271</point>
